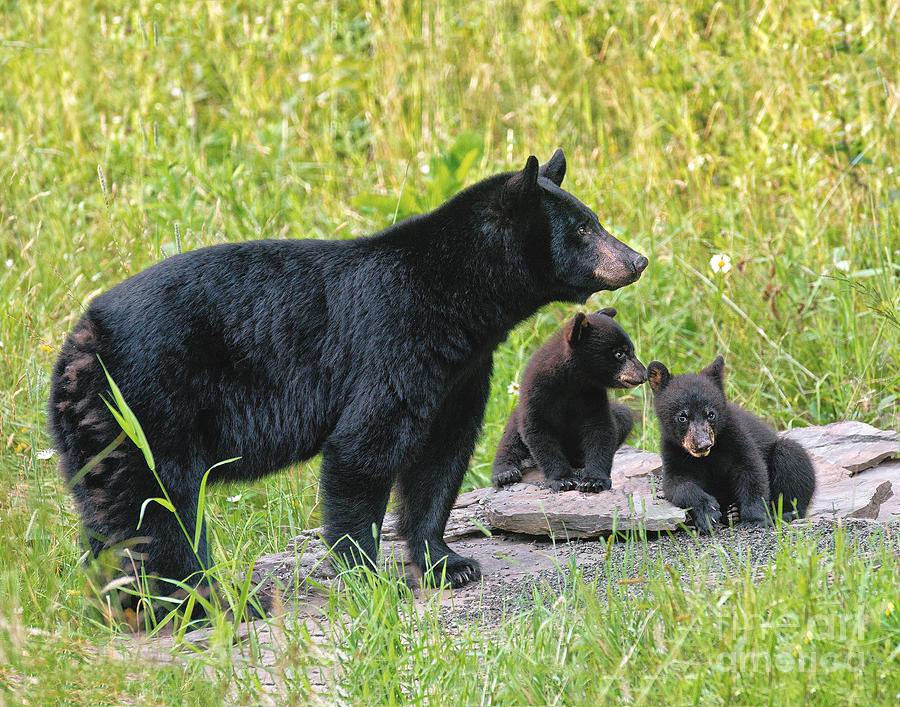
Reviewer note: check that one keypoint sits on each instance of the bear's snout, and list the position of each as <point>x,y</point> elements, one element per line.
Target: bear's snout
<point>633,374</point>
<point>639,264</point>
<point>699,439</point>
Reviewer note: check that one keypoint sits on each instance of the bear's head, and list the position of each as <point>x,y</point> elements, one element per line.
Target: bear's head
<point>566,243</point>
<point>601,350</point>
<point>691,408</point>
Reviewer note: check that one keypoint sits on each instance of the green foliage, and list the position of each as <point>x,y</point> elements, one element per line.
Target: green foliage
<point>764,130</point>
<point>445,176</point>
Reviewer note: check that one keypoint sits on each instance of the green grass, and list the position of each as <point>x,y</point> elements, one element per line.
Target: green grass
<point>767,131</point>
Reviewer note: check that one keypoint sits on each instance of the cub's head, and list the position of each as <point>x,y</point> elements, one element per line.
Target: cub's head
<point>565,238</point>
<point>691,407</point>
<point>602,350</point>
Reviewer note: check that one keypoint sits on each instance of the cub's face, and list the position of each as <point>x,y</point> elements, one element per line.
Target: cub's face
<point>691,408</point>
<point>602,349</point>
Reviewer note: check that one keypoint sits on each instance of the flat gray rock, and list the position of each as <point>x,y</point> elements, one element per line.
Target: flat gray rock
<point>631,462</point>
<point>632,502</point>
<point>529,509</point>
<point>855,446</point>
<point>839,494</point>
<point>890,471</point>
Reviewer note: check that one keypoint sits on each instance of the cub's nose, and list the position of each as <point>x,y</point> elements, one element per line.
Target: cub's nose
<point>639,263</point>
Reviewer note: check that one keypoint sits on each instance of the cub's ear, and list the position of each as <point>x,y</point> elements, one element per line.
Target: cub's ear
<point>716,371</point>
<point>575,329</point>
<point>608,311</point>
<point>555,169</point>
<point>522,186</point>
<point>658,375</point>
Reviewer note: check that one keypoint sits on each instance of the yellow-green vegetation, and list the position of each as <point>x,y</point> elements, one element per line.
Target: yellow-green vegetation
<point>766,131</point>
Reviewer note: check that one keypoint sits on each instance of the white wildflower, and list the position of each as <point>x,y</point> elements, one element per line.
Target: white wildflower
<point>720,263</point>
<point>45,453</point>
<point>513,388</point>
<point>843,265</point>
<point>234,499</point>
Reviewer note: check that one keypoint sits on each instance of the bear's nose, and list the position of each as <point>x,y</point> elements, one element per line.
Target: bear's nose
<point>639,263</point>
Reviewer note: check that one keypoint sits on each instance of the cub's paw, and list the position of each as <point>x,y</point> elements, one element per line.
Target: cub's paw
<point>594,484</point>
<point>706,517</point>
<point>558,485</point>
<point>455,570</point>
<point>506,476</point>
<point>756,523</point>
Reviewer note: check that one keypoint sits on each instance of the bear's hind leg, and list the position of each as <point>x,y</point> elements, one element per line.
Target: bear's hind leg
<point>623,418</point>
<point>511,454</point>
<point>111,498</point>
<point>791,477</point>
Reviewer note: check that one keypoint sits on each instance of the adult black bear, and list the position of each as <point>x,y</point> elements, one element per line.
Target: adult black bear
<point>716,455</point>
<point>376,352</point>
<point>564,421</point>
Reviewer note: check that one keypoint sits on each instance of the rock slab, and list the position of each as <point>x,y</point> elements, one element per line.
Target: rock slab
<point>524,508</point>
<point>840,494</point>
<point>855,446</point>
<point>633,502</point>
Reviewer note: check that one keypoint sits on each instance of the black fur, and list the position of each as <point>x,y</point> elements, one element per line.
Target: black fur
<point>564,421</point>
<point>717,455</point>
<point>376,352</point>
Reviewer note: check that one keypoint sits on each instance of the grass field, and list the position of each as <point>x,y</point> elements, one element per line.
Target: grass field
<point>767,131</point>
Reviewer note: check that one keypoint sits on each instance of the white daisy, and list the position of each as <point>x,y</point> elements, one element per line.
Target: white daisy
<point>720,263</point>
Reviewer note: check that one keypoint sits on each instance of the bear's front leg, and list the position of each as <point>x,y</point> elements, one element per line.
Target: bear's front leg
<point>545,445</point>
<point>702,507</point>
<point>354,500</point>
<point>429,485</point>
<point>600,439</point>
<point>372,442</point>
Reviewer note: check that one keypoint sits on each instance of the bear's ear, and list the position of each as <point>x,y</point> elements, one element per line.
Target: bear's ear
<point>608,311</point>
<point>658,375</point>
<point>576,328</point>
<point>716,371</point>
<point>521,187</point>
<point>555,169</point>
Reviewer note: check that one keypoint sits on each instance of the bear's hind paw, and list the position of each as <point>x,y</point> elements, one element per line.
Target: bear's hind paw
<point>506,476</point>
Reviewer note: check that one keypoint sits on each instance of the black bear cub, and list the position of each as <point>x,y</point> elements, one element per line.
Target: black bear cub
<point>564,421</point>
<point>717,455</point>
<point>375,352</point>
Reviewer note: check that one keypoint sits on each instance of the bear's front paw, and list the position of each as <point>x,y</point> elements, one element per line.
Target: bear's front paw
<point>506,476</point>
<point>455,570</point>
<point>594,484</point>
<point>706,517</point>
<point>559,485</point>
<point>763,522</point>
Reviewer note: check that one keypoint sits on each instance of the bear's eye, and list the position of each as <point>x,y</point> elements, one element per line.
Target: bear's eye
<point>582,230</point>
<point>620,355</point>
<point>682,417</point>
<point>711,415</point>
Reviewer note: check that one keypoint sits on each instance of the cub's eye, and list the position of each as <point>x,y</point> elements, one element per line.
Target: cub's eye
<point>583,230</point>
<point>620,355</point>
<point>682,417</point>
<point>711,415</point>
